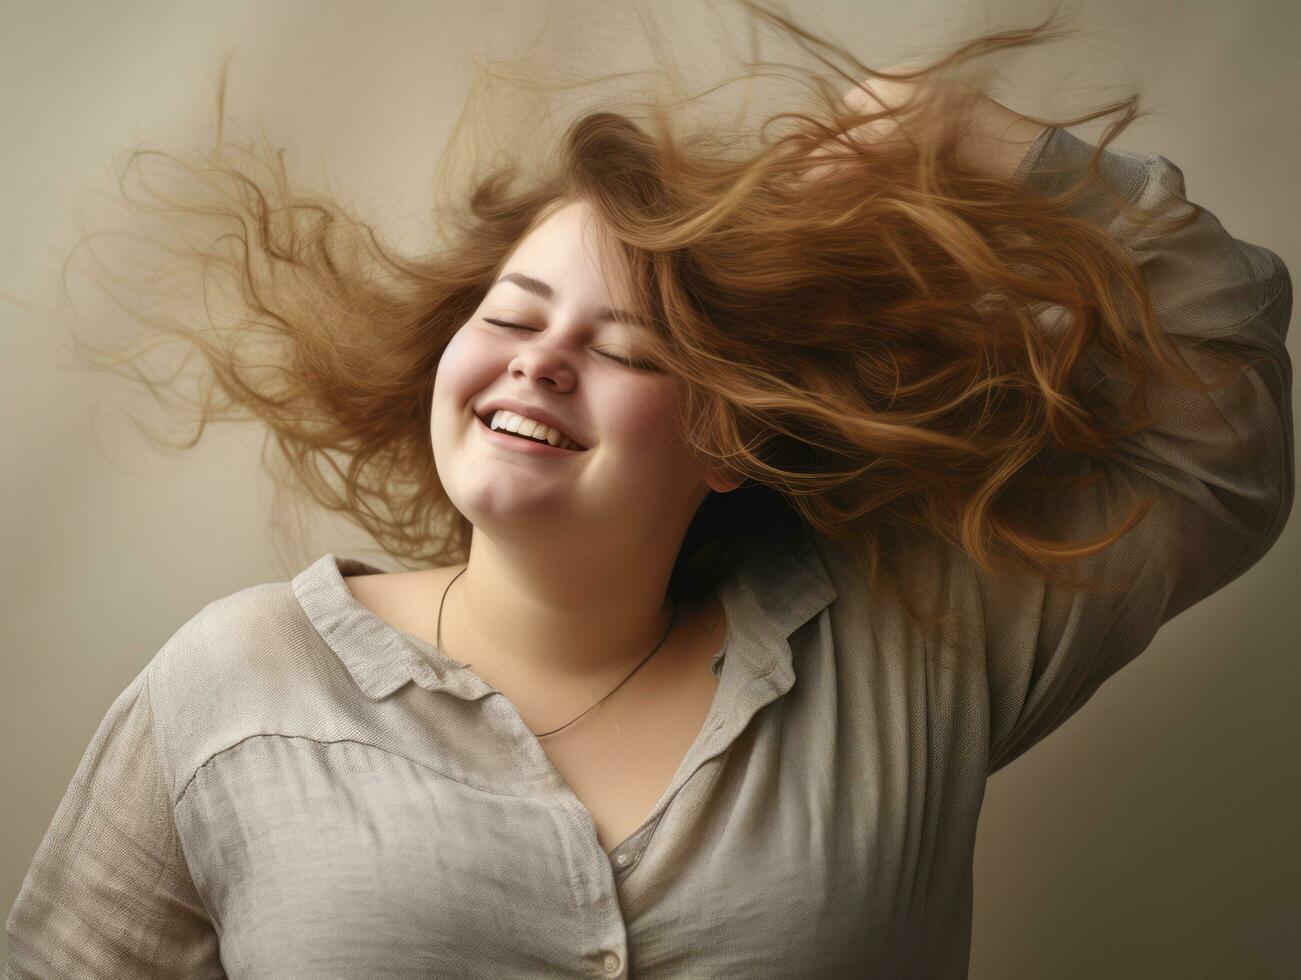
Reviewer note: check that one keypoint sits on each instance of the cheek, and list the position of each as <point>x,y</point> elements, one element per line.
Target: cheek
<point>649,420</point>
<point>453,356</point>
<point>457,376</point>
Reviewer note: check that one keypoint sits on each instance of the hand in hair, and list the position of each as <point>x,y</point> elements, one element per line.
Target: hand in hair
<point>994,142</point>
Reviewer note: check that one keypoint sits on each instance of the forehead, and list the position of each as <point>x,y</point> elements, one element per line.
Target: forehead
<point>568,251</point>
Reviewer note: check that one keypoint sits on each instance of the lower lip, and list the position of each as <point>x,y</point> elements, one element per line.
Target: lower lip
<point>526,446</point>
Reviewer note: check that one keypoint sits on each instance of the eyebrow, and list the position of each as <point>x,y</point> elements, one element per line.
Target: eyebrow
<point>539,288</point>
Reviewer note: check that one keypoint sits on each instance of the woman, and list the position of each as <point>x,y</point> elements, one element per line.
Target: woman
<point>710,683</point>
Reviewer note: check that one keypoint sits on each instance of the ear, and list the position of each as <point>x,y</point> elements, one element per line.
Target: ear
<point>723,480</point>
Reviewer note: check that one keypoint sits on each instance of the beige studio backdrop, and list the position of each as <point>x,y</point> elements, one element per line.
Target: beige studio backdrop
<point>1153,835</point>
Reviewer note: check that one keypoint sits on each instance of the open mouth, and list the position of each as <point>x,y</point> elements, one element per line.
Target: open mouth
<point>486,422</point>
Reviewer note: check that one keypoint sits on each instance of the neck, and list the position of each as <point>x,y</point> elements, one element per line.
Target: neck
<point>577,619</point>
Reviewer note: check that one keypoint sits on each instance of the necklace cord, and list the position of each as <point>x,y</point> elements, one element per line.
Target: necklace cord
<point>672,617</point>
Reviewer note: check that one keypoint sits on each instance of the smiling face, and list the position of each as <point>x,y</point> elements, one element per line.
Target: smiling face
<point>544,336</point>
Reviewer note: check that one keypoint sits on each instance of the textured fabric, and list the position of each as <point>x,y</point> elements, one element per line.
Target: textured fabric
<point>294,788</point>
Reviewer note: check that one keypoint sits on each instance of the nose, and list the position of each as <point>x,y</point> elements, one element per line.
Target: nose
<point>543,365</point>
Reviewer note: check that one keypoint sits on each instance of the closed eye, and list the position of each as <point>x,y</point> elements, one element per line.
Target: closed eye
<point>638,365</point>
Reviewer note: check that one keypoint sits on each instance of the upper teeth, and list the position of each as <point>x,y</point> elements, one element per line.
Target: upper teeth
<point>511,422</point>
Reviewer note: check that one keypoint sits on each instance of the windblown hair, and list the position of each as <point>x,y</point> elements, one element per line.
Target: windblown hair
<point>864,348</point>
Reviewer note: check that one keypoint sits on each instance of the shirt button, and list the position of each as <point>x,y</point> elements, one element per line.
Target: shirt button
<point>622,859</point>
<point>611,962</point>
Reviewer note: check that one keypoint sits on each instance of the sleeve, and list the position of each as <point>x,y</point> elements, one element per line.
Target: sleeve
<point>1221,464</point>
<point>108,893</point>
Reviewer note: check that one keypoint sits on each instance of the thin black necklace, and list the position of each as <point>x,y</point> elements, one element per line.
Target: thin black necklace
<point>439,637</point>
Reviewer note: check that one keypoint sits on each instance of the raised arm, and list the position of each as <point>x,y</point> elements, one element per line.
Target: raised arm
<point>1222,464</point>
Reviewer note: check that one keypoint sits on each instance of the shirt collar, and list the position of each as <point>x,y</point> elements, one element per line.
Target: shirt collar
<point>775,587</point>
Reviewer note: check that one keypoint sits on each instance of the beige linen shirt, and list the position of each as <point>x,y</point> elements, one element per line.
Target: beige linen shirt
<point>293,788</point>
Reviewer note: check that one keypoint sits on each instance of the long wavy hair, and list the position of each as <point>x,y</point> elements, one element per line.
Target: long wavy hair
<point>864,348</point>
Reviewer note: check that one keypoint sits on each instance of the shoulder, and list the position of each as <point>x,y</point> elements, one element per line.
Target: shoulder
<point>220,643</point>
<point>238,667</point>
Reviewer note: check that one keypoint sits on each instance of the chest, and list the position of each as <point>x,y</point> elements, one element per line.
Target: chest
<point>301,846</point>
<point>827,818</point>
<point>621,757</point>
